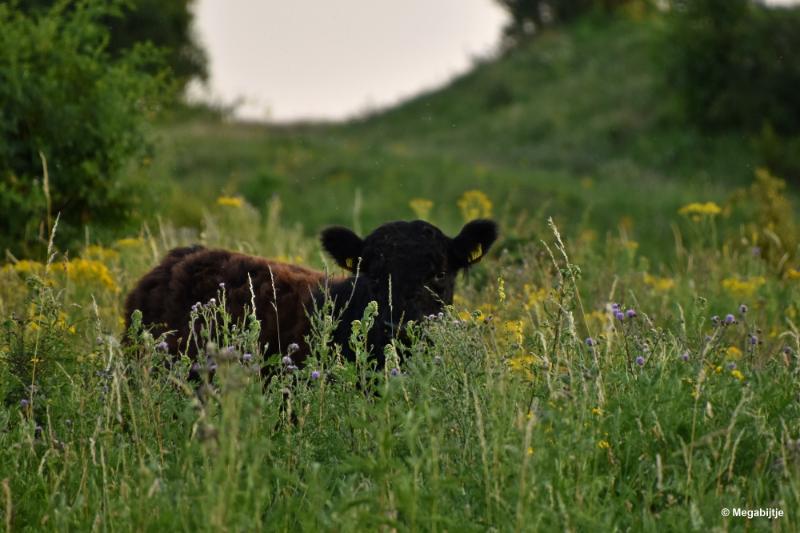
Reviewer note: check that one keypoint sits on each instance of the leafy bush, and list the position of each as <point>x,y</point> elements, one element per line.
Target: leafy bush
<point>527,16</point>
<point>67,107</point>
<point>167,25</point>
<point>735,64</point>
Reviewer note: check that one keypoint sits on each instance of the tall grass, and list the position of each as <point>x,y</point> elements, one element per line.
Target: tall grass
<point>537,402</point>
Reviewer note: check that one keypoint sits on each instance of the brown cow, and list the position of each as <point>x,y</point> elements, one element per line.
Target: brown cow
<point>408,268</point>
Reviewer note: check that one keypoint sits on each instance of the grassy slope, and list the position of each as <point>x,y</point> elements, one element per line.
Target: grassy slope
<point>577,125</point>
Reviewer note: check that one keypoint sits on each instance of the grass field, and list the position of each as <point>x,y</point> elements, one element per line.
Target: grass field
<point>631,365</point>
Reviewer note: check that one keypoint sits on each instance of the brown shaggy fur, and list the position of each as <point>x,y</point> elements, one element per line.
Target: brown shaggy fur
<point>189,275</point>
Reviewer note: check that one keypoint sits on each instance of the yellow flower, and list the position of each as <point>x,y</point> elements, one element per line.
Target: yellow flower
<point>603,445</point>
<point>474,204</point>
<point>421,207</point>
<point>733,352</point>
<point>743,287</point>
<point>738,375</point>
<point>696,210</point>
<point>100,253</point>
<point>86,271</point>
<point>230,201</point>
<point>587,183</point>
<point>24,267</point>
<point>129,242</point>
<point>533,296</point>
<point>530,450</point>
<point>659,284</point>
<point>501,289</point>
<point>597,411</point>
<point>514,330</point>
<point>793,274</point>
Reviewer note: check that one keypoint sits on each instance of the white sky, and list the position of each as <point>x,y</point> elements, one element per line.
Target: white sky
<point>331,59</point>
<point>294,59</point>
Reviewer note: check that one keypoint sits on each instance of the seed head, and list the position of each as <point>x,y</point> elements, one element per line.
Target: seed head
<point>292,348</point>
<point>287,361</point>
<point>743,309</point>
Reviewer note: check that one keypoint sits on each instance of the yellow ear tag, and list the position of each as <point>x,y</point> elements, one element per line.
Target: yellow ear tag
<point>476,253</point>
<point>349,263</point>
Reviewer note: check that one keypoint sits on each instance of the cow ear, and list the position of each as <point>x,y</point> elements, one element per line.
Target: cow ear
<point>343,245</point>
<point>475,239</point>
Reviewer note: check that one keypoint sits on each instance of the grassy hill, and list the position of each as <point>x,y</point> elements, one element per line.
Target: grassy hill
<point>578,125</point>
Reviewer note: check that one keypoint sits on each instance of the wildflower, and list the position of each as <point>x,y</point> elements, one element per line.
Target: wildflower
<point>615,307</point>
<point>685,356</point>
<point>530,450</point>
<point>222,285</point>
<point>755,251</point>
<point>695,210</point>
<point>640,361</point>
<point>597,411</point>
<point>501,289</point>
<point>753,339</point>
<point>438,359</point>
<point>129,242</point>
<point>589,342</point>
<point>603,445</point>
<point>630,313</point>
<point>286,360</point>
<point>730,319</point>
<point>733,352</point>
<point>743,287</point>
<point>315,374</point>
<point>230,201</point>
<point>793,273</point>
<point>421,207</point>
<point>619,315</point>
<point>715,319</point>
<point>247,357</point>
<point>24,403</point>
<point>731,366</point>
<point>659,284</point>
<point>742,309</point>
<point>737,374</point>
<point>292,348</point>
<point>162,346</point>
<point>787,350</point>
<point>395,372</point>
<point>474,204</point>
<point>291,369</point>
<point>212,301</point>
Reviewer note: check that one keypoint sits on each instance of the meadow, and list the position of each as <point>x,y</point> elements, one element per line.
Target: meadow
<point>626,358</point>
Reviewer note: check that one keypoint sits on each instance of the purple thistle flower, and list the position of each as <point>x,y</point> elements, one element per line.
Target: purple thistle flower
<point>619,315</point>
<point>222,285</point>
<point>615,307</point>
<point>162,346</point>
<point>753,339</point>
<point>24,403</point>
<point>291,369</point>
<point>731,366</point>
<point>315,374</point>
<point>787,350</point>
<point>685,356</point>
<point>247,357</point>
<point>640,361</point>
<point>743,309</point>
<point>715,319</point>
<point>630,313</point>
<point>589,341</point>
<point>730,319</point>
<point>287,361</point>
<point>212,301</point>
<point>395,372</point>
<point>756,251</point>
<point>292,348</point>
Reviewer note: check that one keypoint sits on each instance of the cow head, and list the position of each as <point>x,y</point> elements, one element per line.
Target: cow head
<point>409,268</point>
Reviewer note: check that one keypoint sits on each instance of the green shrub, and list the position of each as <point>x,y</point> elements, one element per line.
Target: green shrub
<point>64,101</point>
<point>735,65</point>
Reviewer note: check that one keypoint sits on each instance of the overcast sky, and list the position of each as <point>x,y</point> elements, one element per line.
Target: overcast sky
<point>331,59</point>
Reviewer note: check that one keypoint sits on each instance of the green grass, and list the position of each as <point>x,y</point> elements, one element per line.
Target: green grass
<point>587,105</point>
<point>503,417</point>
